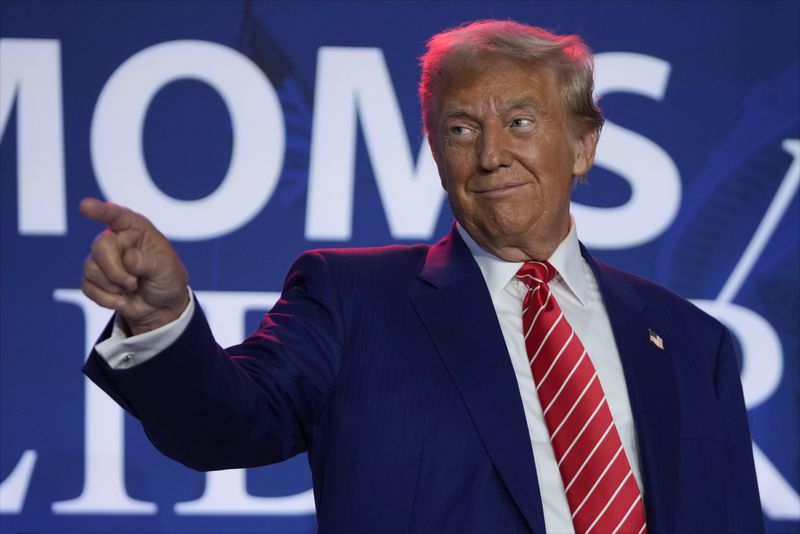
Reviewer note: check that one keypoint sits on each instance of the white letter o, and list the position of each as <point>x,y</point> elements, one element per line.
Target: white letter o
<point>258,137</point>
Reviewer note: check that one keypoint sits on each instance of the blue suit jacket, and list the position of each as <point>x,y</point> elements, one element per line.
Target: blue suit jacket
<point>389,367</point>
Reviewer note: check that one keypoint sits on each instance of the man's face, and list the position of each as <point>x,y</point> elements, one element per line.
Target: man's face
<point>507,156</point>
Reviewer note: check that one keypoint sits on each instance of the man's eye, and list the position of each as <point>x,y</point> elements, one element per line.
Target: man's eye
<point>521,123</point>
<point>459,130</point>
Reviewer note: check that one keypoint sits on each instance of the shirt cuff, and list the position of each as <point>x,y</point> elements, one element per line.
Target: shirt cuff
<point>121,351</point>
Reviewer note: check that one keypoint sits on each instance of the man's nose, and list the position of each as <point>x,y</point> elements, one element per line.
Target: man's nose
<point>493,152</point>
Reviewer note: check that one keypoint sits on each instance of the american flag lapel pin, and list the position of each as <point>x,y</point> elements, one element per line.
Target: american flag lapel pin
<point>655,339</point>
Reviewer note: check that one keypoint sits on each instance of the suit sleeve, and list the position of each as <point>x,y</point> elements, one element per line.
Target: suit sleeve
<point>743,503</point>
<point>251,404</point>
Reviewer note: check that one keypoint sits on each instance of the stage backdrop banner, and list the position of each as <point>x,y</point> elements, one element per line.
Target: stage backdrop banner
<point>252,131</point>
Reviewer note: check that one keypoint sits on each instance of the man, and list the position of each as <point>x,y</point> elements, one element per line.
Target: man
<point>500,380</point>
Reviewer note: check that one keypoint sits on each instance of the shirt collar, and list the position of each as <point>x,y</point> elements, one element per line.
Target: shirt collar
<point>566,259</point>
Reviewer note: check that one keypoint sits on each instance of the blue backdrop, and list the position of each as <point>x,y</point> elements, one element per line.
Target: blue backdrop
<point>297,125</point>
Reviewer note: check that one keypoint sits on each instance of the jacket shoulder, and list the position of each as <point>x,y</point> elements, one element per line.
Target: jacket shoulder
<point>652,296</point>
<point>359,269</point>
<point>395,257</point>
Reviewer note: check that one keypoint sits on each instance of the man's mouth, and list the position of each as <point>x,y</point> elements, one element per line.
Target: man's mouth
<point>498,190</point>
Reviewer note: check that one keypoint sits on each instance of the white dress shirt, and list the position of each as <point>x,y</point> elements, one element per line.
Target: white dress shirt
<point>122,352</point>
<point>574,288</point>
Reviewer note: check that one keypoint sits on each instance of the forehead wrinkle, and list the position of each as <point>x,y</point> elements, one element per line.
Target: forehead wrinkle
<point>506,97</point>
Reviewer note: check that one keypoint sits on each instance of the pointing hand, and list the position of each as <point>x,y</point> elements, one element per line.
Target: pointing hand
<point>133,268</point>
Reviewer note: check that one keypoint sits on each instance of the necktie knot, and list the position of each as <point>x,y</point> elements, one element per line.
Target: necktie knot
<point>535,273</point>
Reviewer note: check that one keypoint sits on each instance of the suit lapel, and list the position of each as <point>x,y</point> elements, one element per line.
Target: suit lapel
<point>460,318</point>
<point>652,390</point>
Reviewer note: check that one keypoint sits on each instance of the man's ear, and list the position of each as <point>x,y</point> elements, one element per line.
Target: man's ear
<point>585,147</point>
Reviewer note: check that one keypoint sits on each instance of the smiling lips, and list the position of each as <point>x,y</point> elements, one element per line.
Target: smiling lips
<point>498,190</point>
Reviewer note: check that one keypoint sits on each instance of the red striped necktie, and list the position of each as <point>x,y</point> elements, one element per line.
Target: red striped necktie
<point>601,491</point>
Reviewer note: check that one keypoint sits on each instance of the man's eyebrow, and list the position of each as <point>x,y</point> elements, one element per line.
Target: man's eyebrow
<point>521,103</point>
<point>457,113</point>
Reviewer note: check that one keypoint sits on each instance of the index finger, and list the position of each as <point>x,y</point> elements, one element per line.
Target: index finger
<point>116,217</point>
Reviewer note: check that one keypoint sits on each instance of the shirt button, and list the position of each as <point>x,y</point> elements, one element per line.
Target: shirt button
<point>127,360</point>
